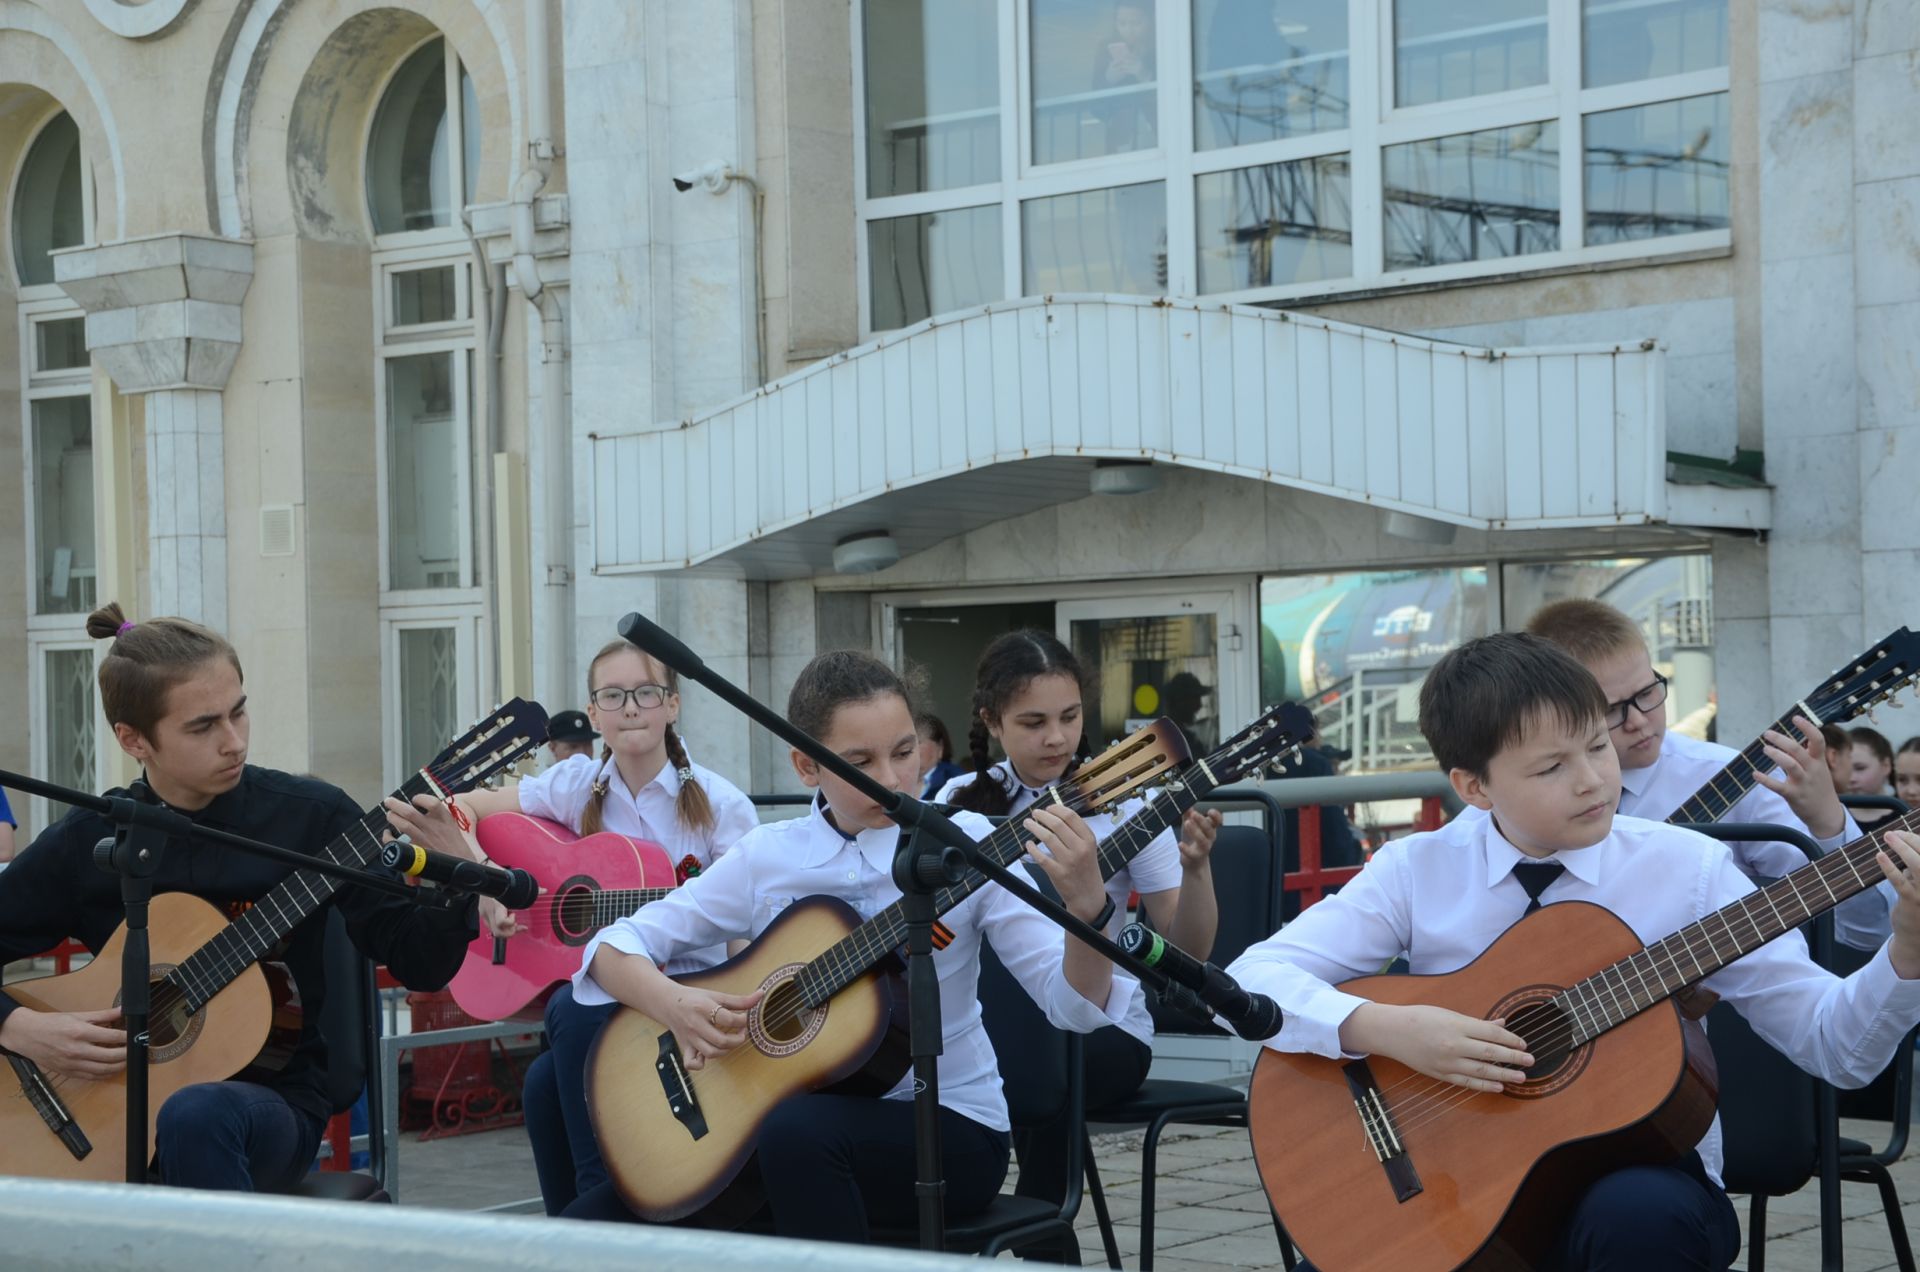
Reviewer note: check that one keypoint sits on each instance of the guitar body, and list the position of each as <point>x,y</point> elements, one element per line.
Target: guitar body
<point>570,870</point>
<point>669,1165</point>
<point>213,1045</point>
<point>1496,1174</point>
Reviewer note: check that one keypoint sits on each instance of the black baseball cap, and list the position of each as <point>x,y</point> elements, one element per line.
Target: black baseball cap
<point>570,726</point>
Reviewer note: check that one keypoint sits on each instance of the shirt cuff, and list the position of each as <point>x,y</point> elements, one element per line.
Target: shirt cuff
<point>1314,1026</point>
<point>1067,1008</point>
<point>586,990</point>
<point>1884,985</point>
<point>1848,832</point>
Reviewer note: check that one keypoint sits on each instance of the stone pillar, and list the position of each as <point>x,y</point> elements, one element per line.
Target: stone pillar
<point>163,319</point>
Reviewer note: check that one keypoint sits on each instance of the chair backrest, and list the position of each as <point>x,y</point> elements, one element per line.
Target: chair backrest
<point>1246,885</point>
<point>1767,1111</point>
<point>1888,1098</point>
<point>343,1016</point>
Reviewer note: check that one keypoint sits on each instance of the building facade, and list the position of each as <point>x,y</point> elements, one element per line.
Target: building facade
<point>1258,347</point>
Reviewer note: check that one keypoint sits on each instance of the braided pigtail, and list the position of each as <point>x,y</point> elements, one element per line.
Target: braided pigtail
<point>592,820</point>
<point>692,806</point>
<point>984,794</point>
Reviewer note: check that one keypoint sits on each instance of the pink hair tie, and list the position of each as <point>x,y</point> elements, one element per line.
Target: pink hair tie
<point>124,629</point>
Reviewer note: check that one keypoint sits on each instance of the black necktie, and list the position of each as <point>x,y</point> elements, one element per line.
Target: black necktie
<point>1534,876</point>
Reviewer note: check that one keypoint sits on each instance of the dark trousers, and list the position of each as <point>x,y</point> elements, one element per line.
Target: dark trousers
<point>1117,1064</point>
<point>566,1158</point>
<point>837,1166</point>
<point>234,1136</point>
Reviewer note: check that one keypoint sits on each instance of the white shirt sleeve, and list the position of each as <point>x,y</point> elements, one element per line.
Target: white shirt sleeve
<point>1157,868</point>
<point>1844,1031</point>
<point>1355,932</point>
<point>733,814</point>
<point>1032,948</point>
<point>559,793</point>
<point>710,909</point>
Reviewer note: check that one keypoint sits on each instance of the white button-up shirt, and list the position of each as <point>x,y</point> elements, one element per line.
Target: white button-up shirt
<point>1440,899</point>
<point>782,862</point>
<point>560,794</point>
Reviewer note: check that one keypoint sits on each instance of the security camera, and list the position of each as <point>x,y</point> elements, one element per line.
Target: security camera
<point>714,176</point>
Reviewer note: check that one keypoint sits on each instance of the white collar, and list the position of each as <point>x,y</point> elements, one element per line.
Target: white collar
<point>1501,857</point>
<point>824,839</point>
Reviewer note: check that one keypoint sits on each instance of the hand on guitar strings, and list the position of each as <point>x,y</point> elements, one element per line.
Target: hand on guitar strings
<point>1065,848</point>
<point>707,1024</point>
<point>1197,833</point>
<point>498,920</point>
<point>1903,950</point>
<point>68,1044</point>
<point>1806,782</point>
<point>429,823</point>
<point>1480,1055</point>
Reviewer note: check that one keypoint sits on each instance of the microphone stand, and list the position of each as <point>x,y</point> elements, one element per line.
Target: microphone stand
<point>932,853</point>
<point>141,832</point>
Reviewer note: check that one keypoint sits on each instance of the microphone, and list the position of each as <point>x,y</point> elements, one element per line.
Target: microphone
<point>513,888</point>
<point>639,630</point>
<point>1253,1016</point>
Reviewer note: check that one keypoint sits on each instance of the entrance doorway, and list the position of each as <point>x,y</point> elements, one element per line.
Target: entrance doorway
<point>945,644</point>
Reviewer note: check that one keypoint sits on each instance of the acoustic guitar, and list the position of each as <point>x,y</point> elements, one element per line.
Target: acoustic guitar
<point>676,1141</point>
<point>212,1010</point>
<point>585,884</point>
<point>1371,1165</point>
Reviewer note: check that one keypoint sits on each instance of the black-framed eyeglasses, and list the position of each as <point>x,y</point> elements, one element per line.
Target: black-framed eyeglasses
<point>614,698</point>
<point>1644,702</point>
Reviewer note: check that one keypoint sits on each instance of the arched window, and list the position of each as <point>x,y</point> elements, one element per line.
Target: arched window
<point>411,168</point>
<point>48,203</point>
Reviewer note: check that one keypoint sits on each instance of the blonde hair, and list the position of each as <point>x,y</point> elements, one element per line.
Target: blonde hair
<point>146,660</point>
<point>692,806</point>
<point>1592,631</point>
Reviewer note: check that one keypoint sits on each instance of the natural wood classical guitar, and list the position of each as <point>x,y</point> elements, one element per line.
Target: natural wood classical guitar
<point>212,1009</point>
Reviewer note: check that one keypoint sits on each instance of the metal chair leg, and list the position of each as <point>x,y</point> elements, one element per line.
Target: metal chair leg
<point>1757,1234</point>
<point>1100,1214</point>
<point>1287,1259</point>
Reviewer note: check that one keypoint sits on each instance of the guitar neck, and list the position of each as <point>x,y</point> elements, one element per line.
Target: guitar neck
<point>1700,949</point>
<point>1730,785</point>
<point>247,939</point>
<point>610,905</point>
<point>856,953</point>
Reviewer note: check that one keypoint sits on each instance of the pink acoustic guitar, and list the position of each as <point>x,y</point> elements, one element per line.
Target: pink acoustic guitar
<point>585,884</point>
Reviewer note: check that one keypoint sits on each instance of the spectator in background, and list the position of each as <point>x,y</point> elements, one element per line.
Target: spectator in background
<point>1872,773</point>
<point>1906,773</point>
<point>1126,60</point>
<point>7,826</point>
<point>569,734</point>
<point>1339,846</point>
<point>1839,756</point>
<point>936,754</point>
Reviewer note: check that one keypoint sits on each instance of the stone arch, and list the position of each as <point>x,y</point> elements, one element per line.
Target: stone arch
<point>295,85</point>
<point>42,66</point>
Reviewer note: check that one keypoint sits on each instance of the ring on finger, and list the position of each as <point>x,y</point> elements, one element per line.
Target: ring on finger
<point>713,1017</point>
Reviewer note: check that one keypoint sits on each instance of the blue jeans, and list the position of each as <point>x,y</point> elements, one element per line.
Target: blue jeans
<point>236,1137</point>
<point>566,1158</point>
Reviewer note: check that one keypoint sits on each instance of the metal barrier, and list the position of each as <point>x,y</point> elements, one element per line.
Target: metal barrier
<point>63,1227</point>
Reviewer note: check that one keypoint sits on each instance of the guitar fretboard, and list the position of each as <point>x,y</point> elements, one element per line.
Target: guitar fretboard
<point>610,905</point>
<point>856,953</point>
<point>249,938</point>
<point>1700,949</point>
<point>1730,785</point>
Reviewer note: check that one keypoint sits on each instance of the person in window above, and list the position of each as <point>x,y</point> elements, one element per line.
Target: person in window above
<point>1027,697</point>
<point>833,1166</point>
<point>1125,60</point>
<point>570,733</point>
<point>1660,769</point>
<point>7,828</point>
<point>936,754</point>
<point>1906,773</point>
<point>1522,732</point>
<point>173,693</point>
<point>644,786</point>
<point>1871,772</point>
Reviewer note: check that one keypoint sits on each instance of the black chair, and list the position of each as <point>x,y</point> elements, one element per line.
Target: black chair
<point>350,1022</point>
<point>1246,884</point>
<point>1046,1066</point>
<point>1889,1098</point>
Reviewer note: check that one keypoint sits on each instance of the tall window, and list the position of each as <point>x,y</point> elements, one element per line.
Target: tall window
<point>48,212</point>
<point>421,149</point>
<point>1262,150</point>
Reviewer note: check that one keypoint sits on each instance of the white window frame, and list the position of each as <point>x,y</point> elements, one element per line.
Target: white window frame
<point>24,292</point>
<point>465,623</point>
<point>1374,123</point>
<point>38,813</point>
<point>41,386</point>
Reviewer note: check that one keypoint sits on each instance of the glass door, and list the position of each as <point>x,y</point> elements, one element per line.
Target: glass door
<point>1177,655</point>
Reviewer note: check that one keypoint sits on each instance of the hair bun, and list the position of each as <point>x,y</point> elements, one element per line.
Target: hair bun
<point>107,622</point>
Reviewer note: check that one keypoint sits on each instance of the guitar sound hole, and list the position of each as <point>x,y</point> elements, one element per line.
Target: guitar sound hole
<point>168,1021</point>
<point>573,915</point>
<point>1548,1032</point>
<point>783,1015</point>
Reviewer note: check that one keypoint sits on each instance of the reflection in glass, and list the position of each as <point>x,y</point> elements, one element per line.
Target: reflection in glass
<point>424,295</point>
<point>59,344</point>
<point>1357,646</point>
<point>934,264</point>
<point>1625,40</point>
<point>1147,667</point>
<point>63,505</point>
<point>1657,170</point>
<point>1265,69</point>
<point>1275,224</point>
<point>408,167</point>
<point>1473,196</point>
<point>48,211</point>
<point>1095,79</point>
<point>933,95</point>
<point>1466,48</point>
<point>429,681</point>
<point>1097,241</point>
<point>70,718</point>
<point>424,507</point>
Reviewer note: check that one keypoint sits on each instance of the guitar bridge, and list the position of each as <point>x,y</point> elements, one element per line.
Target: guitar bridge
<point>678,1086</point>
<point>40,1094</point>
<point>1382,1136</point>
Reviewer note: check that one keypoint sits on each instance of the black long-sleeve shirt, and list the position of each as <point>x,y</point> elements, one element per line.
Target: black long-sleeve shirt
<point>53,892</point>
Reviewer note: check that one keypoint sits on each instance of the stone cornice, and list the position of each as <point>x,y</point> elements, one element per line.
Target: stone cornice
<point>162,311</point>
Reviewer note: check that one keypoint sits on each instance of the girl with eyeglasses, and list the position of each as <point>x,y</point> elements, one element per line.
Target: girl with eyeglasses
<point>642,785</point>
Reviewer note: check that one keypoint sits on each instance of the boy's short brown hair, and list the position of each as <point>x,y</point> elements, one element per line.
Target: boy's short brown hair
<point>1481,698</point>
<point>1592,631</point>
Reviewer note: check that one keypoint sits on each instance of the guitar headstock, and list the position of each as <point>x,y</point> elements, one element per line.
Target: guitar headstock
<point>1883,670</point>
<point>498,742</point>
<point>1126,768</point>
<point>1279,732</point>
